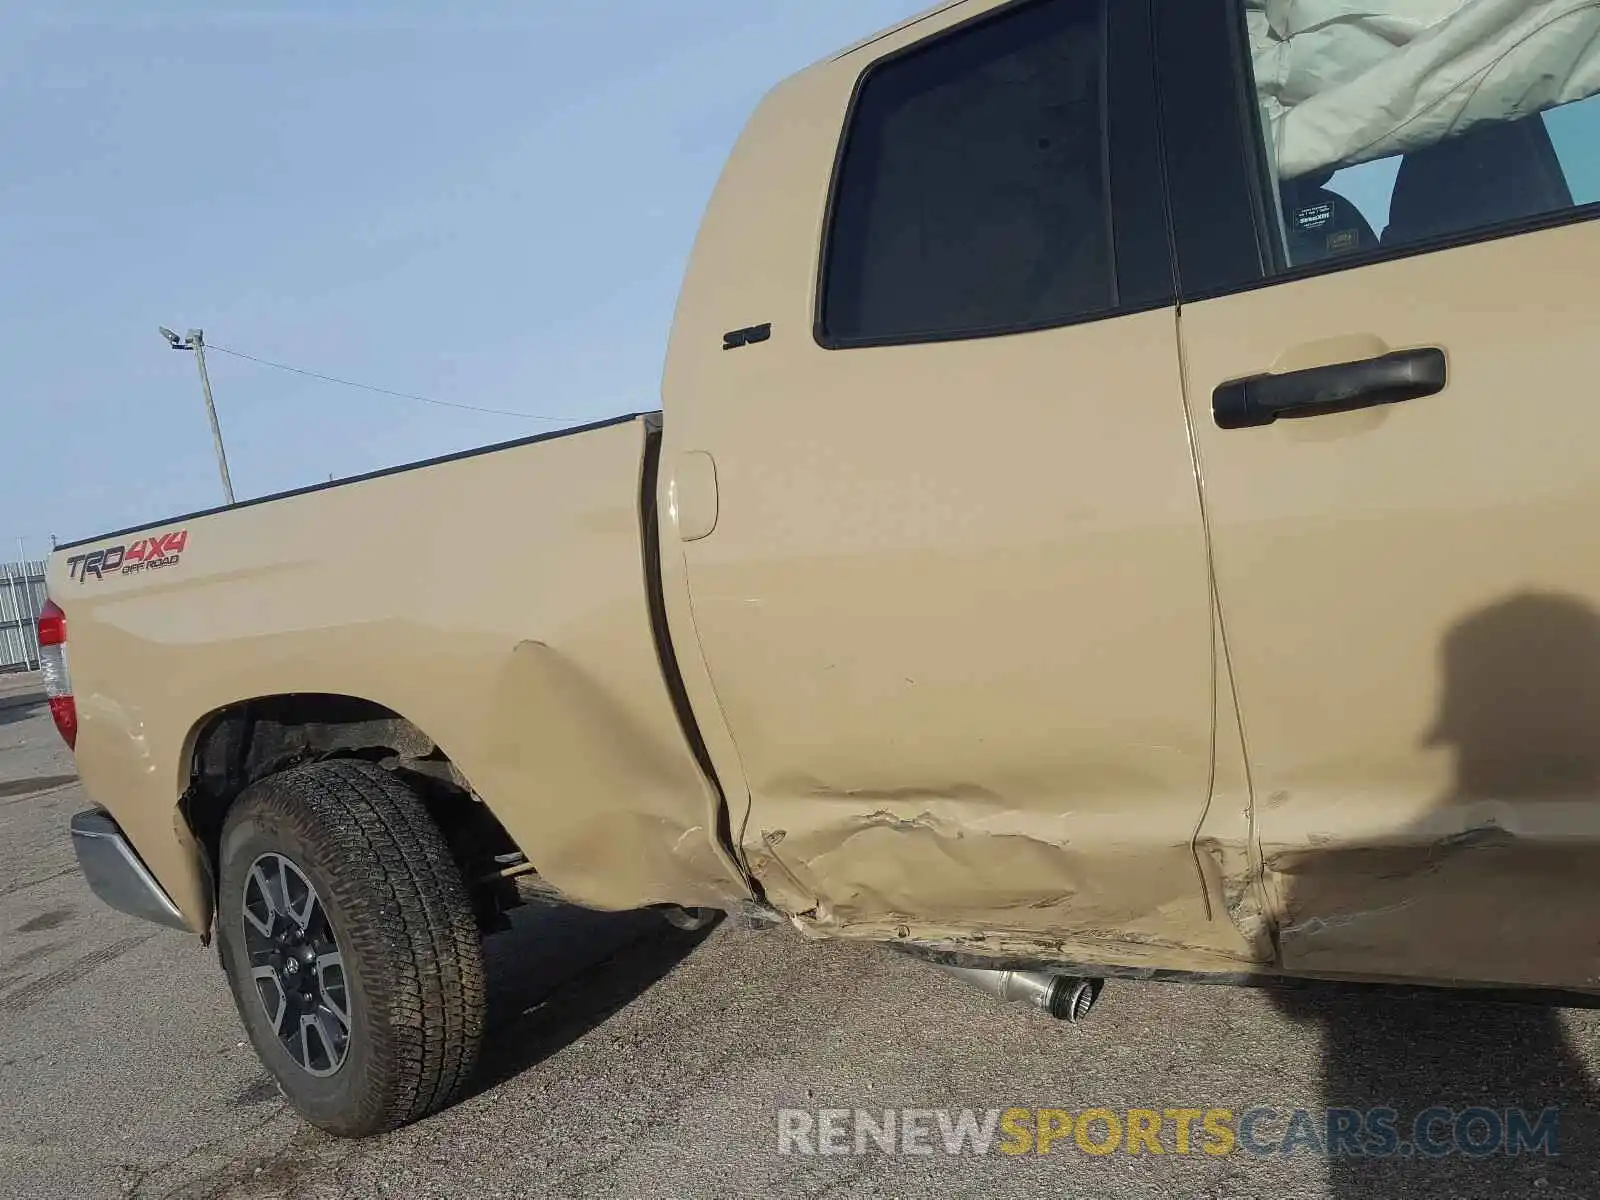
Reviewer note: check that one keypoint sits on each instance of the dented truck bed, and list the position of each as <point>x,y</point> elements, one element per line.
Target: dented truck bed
<point>498,600</point>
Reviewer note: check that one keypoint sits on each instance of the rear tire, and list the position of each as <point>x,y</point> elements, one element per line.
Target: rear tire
<point>388,946</point>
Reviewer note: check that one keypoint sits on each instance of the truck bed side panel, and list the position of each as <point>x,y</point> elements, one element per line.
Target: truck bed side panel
<point>498,602</point>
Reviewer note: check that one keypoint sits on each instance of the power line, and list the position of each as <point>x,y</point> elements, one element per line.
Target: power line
<point>367,387</point>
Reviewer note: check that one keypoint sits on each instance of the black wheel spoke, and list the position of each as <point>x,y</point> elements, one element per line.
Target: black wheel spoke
<point>273,998</point>
<point>335,994</point>
<point>260,907</point>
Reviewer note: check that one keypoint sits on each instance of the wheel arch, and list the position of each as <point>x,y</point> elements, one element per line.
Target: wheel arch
<point>245,741</point>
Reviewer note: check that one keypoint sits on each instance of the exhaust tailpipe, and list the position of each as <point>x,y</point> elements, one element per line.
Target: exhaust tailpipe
<point>1064,997</point>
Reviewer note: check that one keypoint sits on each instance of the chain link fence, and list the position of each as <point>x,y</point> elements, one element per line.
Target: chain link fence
<point>21,598</point>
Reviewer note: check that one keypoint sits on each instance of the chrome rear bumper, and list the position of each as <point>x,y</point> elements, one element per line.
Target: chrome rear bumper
<point>115,872</point>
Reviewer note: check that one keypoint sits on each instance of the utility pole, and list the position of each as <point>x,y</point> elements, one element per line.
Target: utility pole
<point>196,341</point>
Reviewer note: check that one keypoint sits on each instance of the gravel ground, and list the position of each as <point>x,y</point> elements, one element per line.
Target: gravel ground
<point>626,1059</point>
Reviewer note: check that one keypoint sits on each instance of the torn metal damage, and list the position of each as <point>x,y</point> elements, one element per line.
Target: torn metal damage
<point>957,866</point>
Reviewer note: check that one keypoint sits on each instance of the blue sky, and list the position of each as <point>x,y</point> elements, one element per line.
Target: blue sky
<point>487,202</point>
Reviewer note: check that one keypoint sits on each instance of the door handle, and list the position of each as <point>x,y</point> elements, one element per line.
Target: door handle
<point>1340,387</point>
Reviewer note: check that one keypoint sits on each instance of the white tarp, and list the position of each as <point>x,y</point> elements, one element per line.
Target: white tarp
<point>1342,81</point>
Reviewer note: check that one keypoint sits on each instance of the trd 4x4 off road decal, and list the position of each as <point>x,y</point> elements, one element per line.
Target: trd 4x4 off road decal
<point>147,554</point>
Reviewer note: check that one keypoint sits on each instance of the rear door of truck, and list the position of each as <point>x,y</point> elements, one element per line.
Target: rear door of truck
<point>936,497</point>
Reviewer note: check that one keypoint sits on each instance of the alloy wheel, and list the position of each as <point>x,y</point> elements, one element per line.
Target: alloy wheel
<point>296,964</point>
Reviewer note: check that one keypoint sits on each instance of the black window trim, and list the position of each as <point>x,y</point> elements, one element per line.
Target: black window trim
<point>1263,204</point>
<point>1112,264</point>
<point>1264,208</point>
<point>819,329</point>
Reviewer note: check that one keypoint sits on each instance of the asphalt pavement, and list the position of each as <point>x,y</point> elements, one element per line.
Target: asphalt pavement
<point>628,1059</point>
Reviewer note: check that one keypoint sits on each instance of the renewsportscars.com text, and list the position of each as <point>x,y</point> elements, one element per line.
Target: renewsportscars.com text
<point>1261,1130</point>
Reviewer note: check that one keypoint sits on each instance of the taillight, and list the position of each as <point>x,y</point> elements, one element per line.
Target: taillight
<point>53,665</point>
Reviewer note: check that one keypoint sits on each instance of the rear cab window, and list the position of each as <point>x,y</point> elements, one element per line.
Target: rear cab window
<point>974,193</point>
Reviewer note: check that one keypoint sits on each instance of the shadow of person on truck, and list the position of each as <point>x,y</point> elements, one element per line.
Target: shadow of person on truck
<point>560,971</point>
<point>1519,711</point>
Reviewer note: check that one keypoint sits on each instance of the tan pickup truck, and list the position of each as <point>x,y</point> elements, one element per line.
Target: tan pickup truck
<point>1128,503</point>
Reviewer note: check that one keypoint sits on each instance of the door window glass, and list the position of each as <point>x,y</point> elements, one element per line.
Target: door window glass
<point>1406,122</point>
